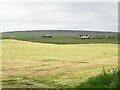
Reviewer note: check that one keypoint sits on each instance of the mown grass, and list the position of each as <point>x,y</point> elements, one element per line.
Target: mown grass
<point>29,64</point>
<point>108,79</point>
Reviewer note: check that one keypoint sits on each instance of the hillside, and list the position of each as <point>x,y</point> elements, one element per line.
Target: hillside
<point>62,36</point>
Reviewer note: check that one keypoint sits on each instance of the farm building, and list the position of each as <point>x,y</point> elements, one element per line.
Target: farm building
<point>84,36</point>
<point>47,36</point>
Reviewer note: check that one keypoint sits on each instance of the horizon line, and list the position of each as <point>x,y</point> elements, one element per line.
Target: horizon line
<point>58,30</point>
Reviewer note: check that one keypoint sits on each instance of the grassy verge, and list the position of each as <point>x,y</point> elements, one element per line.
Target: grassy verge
<point>108,79</point>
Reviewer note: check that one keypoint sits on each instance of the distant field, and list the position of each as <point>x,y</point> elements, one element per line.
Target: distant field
<point>33,64</point>
<point>62,37</point>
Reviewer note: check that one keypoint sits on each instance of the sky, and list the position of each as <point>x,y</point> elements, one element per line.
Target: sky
<point>22,15</point>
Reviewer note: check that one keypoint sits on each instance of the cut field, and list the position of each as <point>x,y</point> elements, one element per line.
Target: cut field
<point>32,64</point>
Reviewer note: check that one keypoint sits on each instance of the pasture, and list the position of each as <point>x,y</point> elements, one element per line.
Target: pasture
<point>38,64</point>
<point>62,37</point>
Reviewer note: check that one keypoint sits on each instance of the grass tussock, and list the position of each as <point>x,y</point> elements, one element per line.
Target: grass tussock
<point>107,79</point>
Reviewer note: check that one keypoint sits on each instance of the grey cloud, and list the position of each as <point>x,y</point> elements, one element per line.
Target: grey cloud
<point>62,15</point>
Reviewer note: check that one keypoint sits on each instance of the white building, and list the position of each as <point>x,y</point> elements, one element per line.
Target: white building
<point>84,36</point>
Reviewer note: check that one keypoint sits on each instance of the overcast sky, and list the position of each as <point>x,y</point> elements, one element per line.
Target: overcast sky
<point>17,15</point>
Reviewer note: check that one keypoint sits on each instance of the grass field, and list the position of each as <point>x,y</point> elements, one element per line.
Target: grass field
<point>33,64</point>
<point>107,79</point>
<point>62,37</point>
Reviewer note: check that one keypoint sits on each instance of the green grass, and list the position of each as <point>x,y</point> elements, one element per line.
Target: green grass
<point>30,64</point>
<point>59,37</point>
<point>108,79</point>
